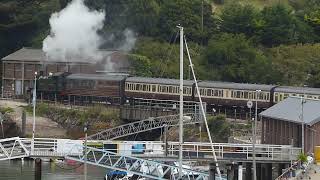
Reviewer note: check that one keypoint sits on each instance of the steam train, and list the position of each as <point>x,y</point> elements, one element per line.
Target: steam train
<point>118,89</point>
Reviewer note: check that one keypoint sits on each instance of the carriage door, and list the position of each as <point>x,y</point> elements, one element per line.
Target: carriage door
<point>17,87</point>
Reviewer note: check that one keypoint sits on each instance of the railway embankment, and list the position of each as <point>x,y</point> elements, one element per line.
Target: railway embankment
<point>73,120</point>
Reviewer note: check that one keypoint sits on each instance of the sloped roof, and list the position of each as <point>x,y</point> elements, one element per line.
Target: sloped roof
<point>232,85</point>
<point>30,54</point>
<point>290,109</point>
<point>159,81</point>
<point>97,77</point>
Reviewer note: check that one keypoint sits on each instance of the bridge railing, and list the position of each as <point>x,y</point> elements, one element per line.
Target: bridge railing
<point>193,150</point>
<point>47,147</point>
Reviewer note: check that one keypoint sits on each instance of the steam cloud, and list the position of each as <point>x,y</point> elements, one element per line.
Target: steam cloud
<point>74,33</point>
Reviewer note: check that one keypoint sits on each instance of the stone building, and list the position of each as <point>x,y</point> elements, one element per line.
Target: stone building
<point>18,68</point>
<point>281,124</point>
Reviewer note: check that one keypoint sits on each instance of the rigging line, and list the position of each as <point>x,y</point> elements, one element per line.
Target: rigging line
<point>202,110</point>
<point>169,54</point>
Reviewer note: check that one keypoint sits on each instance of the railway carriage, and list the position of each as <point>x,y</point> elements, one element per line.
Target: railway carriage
<point>282,92</point>
<point>234,94</point>
<point>157,88</point>
<point>95,88</point>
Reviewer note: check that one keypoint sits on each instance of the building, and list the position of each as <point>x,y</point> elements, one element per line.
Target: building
<point>281,123</point>
<point>18,68</point>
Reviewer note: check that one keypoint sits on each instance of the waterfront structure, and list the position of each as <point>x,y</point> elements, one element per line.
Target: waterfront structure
<point>282,123</point>
<point>18,68</point>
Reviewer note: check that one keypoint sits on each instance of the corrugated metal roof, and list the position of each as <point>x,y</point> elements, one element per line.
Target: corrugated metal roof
<point>231,85</point>
<point>300,90</point>
<point>96,77</point>
<point>158,81</point>
<point>290,110</point>
<point>29,54</point>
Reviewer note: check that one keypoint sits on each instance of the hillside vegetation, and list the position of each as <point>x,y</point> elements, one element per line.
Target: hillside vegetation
<point>250,41</point>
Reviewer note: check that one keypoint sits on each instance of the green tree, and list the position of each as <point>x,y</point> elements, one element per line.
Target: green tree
<point>141,65</point>
<point>219,128</point>
<point>239,18</point>
<point>236,59</point>
<point>144,16</point>
<point>188,14</point>
<point>279,25</point>
<point>297,64</point>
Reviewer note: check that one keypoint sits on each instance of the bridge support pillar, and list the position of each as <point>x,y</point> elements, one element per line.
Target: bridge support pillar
<point>269,171</point>
<point>280,167</point>
<point>240,172</point>
<point>258,170</point>
<point>212,171</point>
<point>248,175</point>
<point>232,172</point>
<point>37,172</point>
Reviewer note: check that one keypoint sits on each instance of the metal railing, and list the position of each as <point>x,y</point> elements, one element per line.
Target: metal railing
<point>142,126</point>
<point>134,165</point>
<point>12,148</point>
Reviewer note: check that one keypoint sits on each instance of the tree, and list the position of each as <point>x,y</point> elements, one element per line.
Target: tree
<point>144,16</point>
<point>235,58</point>
<point>297,64</point>
<point>279,25</point>
<point>141,65</point>
<point>188,14</point>
<point>219,128</point>
<point>239,18</point>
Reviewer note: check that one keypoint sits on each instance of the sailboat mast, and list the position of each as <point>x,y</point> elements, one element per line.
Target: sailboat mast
<point>181,102</point>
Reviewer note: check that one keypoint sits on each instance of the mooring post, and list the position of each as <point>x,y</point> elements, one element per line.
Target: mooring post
<point>165,140</point>
<point>37,172</point>
<point>23,123</point>
<point>212,171</point>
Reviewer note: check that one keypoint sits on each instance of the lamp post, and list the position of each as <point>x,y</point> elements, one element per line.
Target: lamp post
<point>85,129</point>
<point>1,120</point>
<point>34,99</point>
<point>302,124</point>
<point>254,137</point>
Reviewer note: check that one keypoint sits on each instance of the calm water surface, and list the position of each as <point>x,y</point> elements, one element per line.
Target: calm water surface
<point>17,170</point>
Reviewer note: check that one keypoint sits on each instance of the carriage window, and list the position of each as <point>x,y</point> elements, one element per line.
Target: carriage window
<point>246,95</point>
<point>261,95</point>
<point>276,97</point>
<point>238,94</point>
<point>202,92</point>
<point>154,88</point>
<point>209,92</point>
<point>138,87</point>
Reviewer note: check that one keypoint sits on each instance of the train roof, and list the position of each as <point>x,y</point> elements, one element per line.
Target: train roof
<point>232,85</point>
<point>298,90</point>
<point>158,81</point>
<point>106,77</point>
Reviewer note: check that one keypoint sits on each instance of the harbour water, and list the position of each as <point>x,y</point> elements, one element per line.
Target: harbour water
<point>16,170</point>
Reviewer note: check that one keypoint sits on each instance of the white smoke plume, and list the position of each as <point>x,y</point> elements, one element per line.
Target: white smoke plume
<point>129,42</point>
<point>74,33</point>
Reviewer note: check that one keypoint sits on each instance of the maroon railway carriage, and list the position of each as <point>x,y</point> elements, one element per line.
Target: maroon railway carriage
<point>95,88</point>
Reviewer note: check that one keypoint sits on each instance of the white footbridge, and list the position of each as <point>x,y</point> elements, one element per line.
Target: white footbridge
<point>133,156</point>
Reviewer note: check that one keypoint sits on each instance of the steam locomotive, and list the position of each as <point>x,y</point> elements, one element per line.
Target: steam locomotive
<point>118,89</point>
